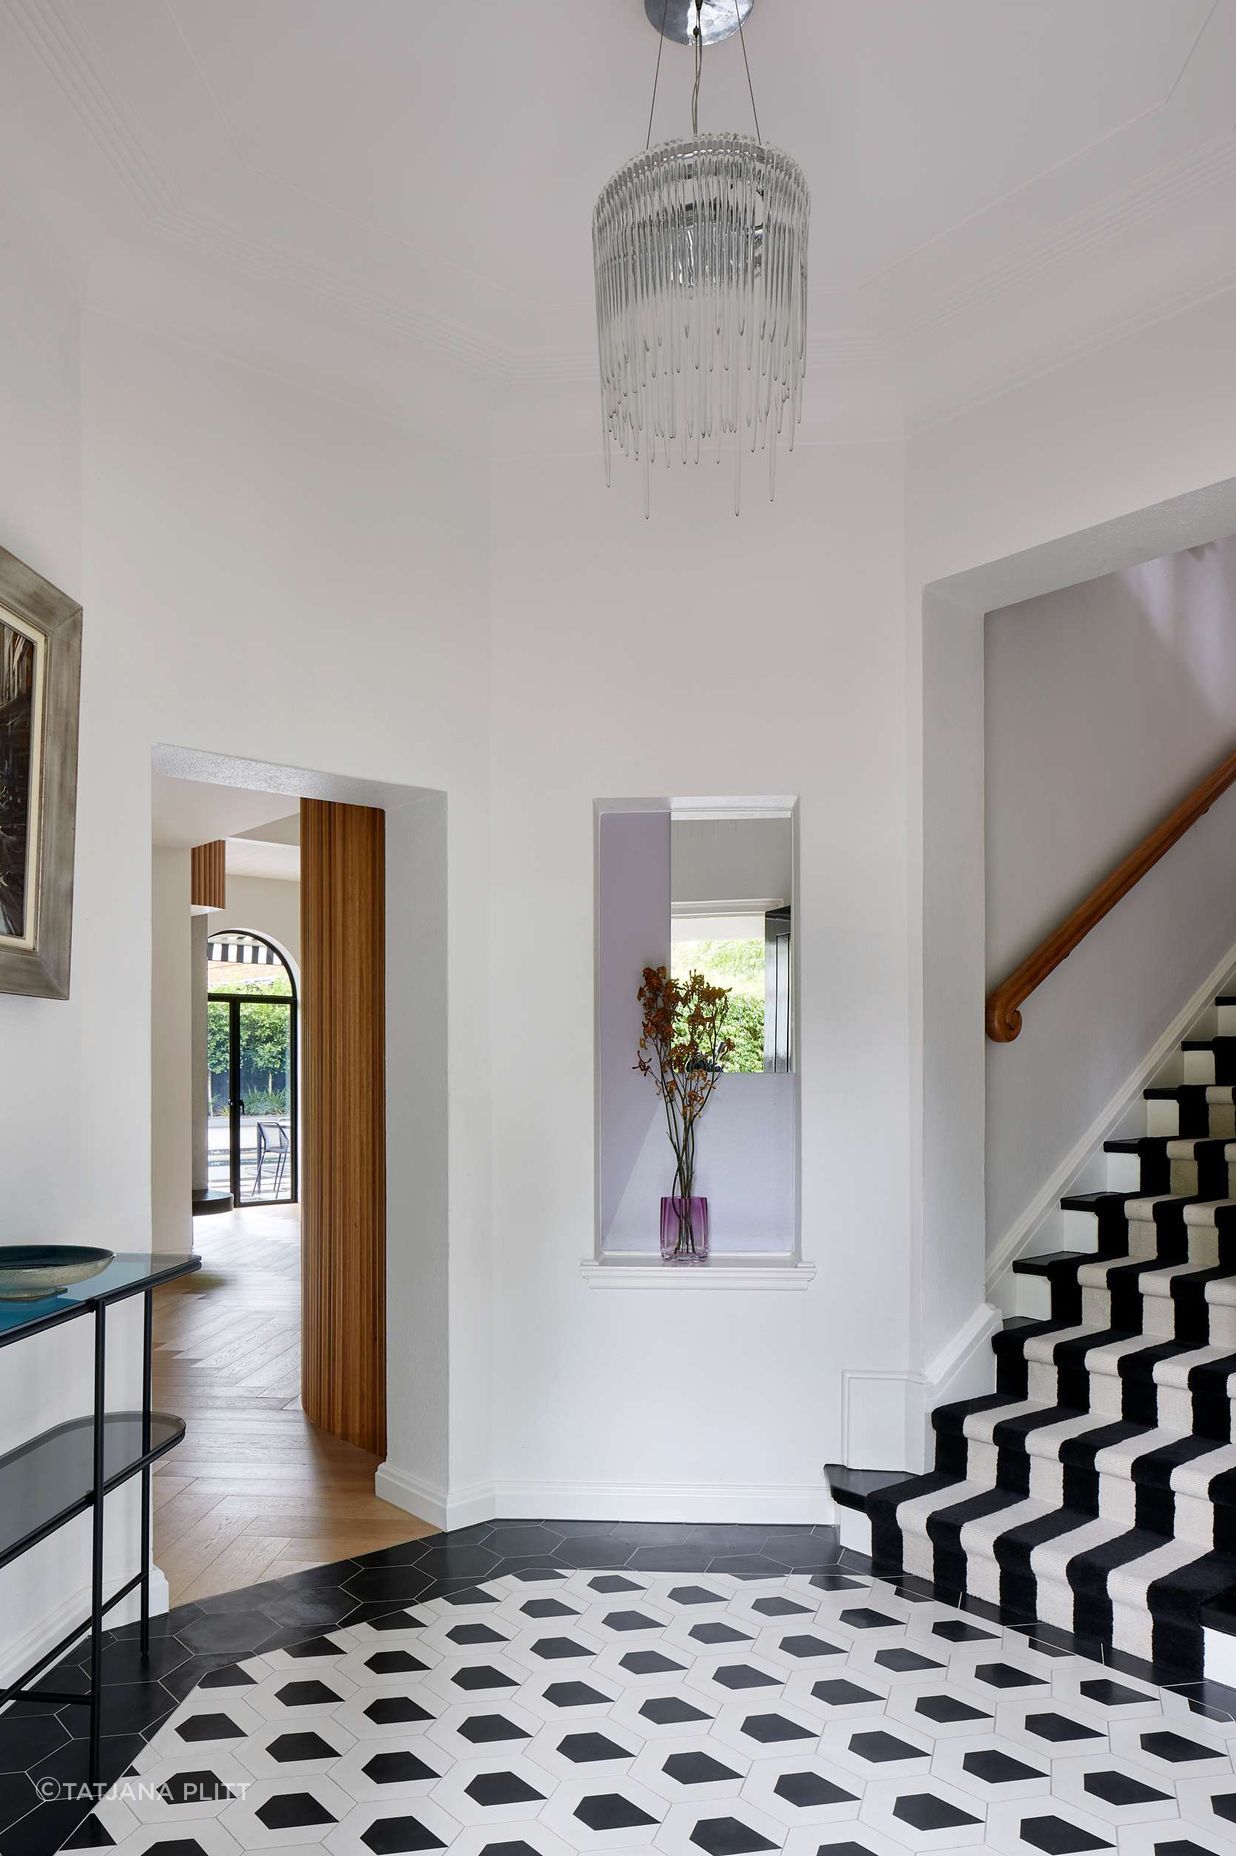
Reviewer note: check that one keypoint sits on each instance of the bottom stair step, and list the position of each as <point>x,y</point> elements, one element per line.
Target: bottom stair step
<point>1131,1590</point>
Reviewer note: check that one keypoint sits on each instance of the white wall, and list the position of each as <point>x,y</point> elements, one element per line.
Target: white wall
<point>601,624</point>
<point>1106,702</point>
<point>264,905</point>
<point>1099,465</point>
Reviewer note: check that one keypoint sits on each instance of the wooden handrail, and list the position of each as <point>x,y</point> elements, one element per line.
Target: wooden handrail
<point>1003,1016</point>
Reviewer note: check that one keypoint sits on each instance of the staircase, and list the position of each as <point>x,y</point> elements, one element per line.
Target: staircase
<point>1095,1489</point>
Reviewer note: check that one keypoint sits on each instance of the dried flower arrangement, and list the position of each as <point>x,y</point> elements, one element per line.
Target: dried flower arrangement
<point>683,1046</point>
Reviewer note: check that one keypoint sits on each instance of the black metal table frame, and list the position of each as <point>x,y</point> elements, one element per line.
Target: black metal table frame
<point>94,1498</point>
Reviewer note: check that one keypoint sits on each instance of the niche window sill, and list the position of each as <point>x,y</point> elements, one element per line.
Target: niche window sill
<point>737,1270</point>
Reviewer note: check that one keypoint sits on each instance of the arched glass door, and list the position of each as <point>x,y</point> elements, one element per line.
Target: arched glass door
<point>251,1058</point>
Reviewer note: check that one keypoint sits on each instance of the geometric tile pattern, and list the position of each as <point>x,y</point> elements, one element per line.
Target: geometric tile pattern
<point>548,1711</point>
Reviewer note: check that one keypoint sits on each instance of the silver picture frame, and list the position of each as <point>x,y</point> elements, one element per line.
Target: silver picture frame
<point>40,683</point>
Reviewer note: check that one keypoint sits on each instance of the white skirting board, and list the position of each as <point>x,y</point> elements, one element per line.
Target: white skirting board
<point>756,1504</point>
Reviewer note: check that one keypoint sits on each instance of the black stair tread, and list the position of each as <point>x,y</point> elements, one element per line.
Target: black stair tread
<point>1226,998</point>
<point>851,1487</point>
<point>1092,1201</point>
<point>1168,1092</point>
<point>1047,1262</point>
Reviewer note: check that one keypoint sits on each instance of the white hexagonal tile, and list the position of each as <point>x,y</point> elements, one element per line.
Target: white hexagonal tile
<point>1054,1727</point>
<point>842,1836</point>
<point>207,1833</point>
<point>185,1787</point>
<point>667,1712</point>
<point>210,1719</point>
<point>591,1815</point>
<point>641,1666</point>
<point>1115,1790</point>
<point>803,1790</point>
<point>1051,1824</point>
<point>923,1813</point>
<point>289,1696</point>
<point>475,1678</point>
<point>692,1768</point>
<point>477,1840</point>
<point>1179,1839</point>
<point>1115,1697</point>
<point>1210,1803</point>
<point>383,1712</point>
<point>500,1789</point>
<point>295,1748</point>
<point>877,1749</point>
<point>426,1827</point>
<point>767,1729</point>
<point>459,1636</point>
<point>992,1768</point>
<point>585,1745</point>
<point>565,1697</point>
<point>793,1647</point>
<point>709,1634</point>
<point>734,1674</point>
<point>314,1653</point>
<point>486,1728</point>
<point>401,1766</point>
<point>840,1694</point>
<point>286,1813</point>
<point>726,1827</point>
<point>1175,1749</point>
<point>387,1665</point>
<point>558,1645</point>
<point>942,1710</point>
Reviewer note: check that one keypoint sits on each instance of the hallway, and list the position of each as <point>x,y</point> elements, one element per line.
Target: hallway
<point>255,1491</point>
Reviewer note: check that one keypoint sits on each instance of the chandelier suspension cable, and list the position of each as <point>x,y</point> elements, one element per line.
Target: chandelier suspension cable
<point>699,72</point>
<point>742,40</point>
<point>656,77</point>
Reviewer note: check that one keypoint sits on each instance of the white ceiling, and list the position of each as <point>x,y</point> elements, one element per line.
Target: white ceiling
<point>189,812</point>
<point>995,182</point>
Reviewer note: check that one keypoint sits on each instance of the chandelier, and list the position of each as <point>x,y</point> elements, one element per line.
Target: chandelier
<point>700,253</point>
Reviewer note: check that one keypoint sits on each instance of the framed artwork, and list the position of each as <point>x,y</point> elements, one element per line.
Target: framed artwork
<point>40,674</point>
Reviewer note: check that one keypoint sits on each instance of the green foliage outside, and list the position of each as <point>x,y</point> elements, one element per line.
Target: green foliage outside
<point>264,1033</point>
<point>739,965</point>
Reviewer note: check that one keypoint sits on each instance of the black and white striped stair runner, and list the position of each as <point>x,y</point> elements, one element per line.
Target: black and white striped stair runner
<point>1095,1489</point>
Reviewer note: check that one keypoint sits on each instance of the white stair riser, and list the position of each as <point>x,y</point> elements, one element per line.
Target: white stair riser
<point>1219,1653</point>
<point>1124,1173</point>
<point>1226,1021</point>
<point>1079,1230</point>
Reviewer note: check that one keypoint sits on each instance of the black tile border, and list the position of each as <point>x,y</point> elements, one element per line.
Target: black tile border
<point>193,1641</point>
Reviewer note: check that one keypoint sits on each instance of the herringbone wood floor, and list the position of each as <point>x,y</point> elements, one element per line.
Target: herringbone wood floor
<point>254,1491</point>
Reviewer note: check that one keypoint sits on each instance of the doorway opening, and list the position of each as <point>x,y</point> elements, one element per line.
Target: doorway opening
<point>252,1010</point>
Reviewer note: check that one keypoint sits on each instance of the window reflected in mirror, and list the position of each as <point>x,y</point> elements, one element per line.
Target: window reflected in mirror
<point>731,889</point>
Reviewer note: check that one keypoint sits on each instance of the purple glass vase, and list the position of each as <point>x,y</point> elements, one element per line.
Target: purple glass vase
<point>684,1230</point>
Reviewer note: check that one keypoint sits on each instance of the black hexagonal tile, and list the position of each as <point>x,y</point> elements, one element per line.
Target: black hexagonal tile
<point>926,1811</point>
<point>583,1749</point>
<point>196,1788</point>
<point>1117,1788</point>
<point>398,1768</point>
<point>904,1661</point>
<point>308,1694</point>
<point>468,1636</point>
<point>1057,1836</point>
<point>602,1811</point>
<point>879,1747</point>
<point>804,1645</point>
<point>771,1728</point>
<point>293,1811</point>
<point>1058,1728</point>
<point>697,1768</point>
<point>742,1675</point>
<point>395,1663</point>
<point>1177,1748</point>
<point>996,1768</point>
<point>482,1675</point>
<point>669,1710</point>
<point>398,1835</point>
<point>650,1663</point>
<point>729,1836</point>
<point>947,1709</point>
<point>548,1608</point>
<point>576,1695</point>
<point>561,1650</point>
<point>395,1710</point>
<point>805,1790</point>
<point>716,1632</point>
<point>866,1617</point>
<point>490,1789</point>
<point>199,1727</point>
<point>300,1746</point>
<point>491,1729</point>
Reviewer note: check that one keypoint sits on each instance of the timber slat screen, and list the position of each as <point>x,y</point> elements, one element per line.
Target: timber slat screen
<point>343,1191</point>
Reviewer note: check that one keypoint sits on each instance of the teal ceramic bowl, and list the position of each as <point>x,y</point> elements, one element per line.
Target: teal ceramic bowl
<point>28,1272</point>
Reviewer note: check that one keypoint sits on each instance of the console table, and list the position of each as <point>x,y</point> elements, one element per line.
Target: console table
<point>65,1471</point>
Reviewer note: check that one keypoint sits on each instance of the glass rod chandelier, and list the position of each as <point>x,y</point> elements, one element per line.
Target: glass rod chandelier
<point>700,253</point>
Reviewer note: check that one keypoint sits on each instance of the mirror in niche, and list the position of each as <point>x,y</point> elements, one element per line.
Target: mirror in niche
<point>731,903</point>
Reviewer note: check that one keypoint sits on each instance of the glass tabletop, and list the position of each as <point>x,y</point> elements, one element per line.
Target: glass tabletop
<point>128,1273</point>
